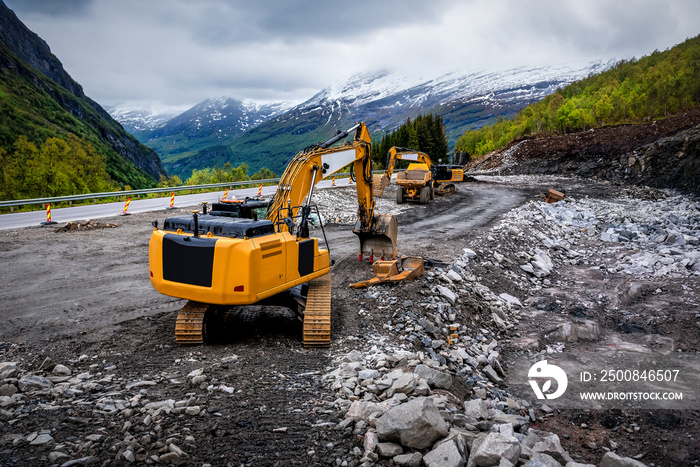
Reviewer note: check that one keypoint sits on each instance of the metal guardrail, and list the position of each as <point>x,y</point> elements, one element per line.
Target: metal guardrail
<point>113,194</point>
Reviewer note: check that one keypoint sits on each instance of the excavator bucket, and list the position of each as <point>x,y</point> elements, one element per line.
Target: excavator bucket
<point>381,240</point>
<point>411,267</point>
<point>384,269</point>
<point>379,182</point>
<point>553,196</point>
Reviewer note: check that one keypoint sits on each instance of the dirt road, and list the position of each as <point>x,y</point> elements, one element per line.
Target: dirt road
<point>88,281</point>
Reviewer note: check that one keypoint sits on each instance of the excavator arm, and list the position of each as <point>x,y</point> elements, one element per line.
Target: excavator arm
<point>293,196</point>
<point>396,153</point>
<point>220,260</point>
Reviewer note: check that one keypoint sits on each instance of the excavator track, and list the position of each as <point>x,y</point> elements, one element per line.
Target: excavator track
<point>317,314</point>
<point>446,189</point>
<point>190,326</point>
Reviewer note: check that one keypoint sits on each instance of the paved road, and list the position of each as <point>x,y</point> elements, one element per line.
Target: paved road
<point>94,211</point>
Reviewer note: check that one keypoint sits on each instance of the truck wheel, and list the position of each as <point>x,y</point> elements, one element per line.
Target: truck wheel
<point>399,195</point>
<point>424,195</point>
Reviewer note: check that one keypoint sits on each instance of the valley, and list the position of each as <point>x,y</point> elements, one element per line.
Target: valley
<point>223,130</point>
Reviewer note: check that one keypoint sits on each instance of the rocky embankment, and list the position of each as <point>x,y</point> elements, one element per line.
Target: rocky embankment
<point>661,154</point>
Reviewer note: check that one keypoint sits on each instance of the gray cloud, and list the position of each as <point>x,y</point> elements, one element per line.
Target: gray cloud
<point>179,52</point>
<point>49,7</point>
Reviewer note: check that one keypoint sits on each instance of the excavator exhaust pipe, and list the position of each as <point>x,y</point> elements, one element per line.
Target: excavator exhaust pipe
<point>381,240</point>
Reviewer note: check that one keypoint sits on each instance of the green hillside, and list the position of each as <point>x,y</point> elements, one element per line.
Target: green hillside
<point>30,113</point>
<point>271,146</point>
<point>655,86</point>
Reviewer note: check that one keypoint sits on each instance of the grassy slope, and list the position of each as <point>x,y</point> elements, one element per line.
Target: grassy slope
<point>29,105</point>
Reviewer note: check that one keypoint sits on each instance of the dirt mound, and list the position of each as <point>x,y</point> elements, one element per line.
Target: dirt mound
<point>663,153</point>
<point>85,225</point>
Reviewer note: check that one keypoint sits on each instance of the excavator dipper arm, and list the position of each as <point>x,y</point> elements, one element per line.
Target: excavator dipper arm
<point>377,233</point>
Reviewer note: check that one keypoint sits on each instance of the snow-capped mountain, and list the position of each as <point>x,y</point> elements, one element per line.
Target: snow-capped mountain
<point>385,100</point>
<point>223,130</point>
<point>416,90</point>
<point>138,119</point>
<point>221,117</point>
<point>224,116</point>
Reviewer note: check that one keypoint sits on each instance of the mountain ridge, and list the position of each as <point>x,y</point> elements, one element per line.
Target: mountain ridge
<point>382,100</point>
<point>34,74</point>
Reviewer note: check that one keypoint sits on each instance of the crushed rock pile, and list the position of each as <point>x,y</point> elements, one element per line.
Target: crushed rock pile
<point>431,390</point>
<point>339,205</point>
<point>641,238</point>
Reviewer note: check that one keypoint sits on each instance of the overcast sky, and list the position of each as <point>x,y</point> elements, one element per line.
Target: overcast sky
<point>180,52</point>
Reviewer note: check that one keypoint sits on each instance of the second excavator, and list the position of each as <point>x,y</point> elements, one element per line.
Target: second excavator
<point>421,180</point>
<point>217,262</point>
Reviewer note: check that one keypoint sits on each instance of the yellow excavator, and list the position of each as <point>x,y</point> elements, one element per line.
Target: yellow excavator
<point>221,259</point>
<point>421,180</point>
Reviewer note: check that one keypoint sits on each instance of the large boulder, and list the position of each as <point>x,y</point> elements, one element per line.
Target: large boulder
<point>415,424</point>
<point>434,378</point>
<point>444,455</point>
<point>34,383</point>
<point>492,448</point>
<point>361,410</point>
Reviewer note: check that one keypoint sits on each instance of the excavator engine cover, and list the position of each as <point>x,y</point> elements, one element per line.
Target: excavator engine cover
<point>381,240</point>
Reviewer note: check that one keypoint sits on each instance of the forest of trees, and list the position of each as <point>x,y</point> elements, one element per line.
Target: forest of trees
<point>57,167</point>
<point>225,174</point>
<point>661,84</point>
<point>425,133</point>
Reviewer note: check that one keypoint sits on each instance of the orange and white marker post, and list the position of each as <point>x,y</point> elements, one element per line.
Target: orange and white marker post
<point>126,206</point>
<point>260,190</point>
<point>225,194</point>
<point>333,184</point>
<point>48,216</point>
<point>172,201</point>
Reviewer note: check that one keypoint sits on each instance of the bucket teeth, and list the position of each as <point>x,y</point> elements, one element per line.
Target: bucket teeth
<point>317,314</point>
<point>379,182</point>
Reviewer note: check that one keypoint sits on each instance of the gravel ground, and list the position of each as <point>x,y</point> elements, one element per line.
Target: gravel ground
<point>92,374</point>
